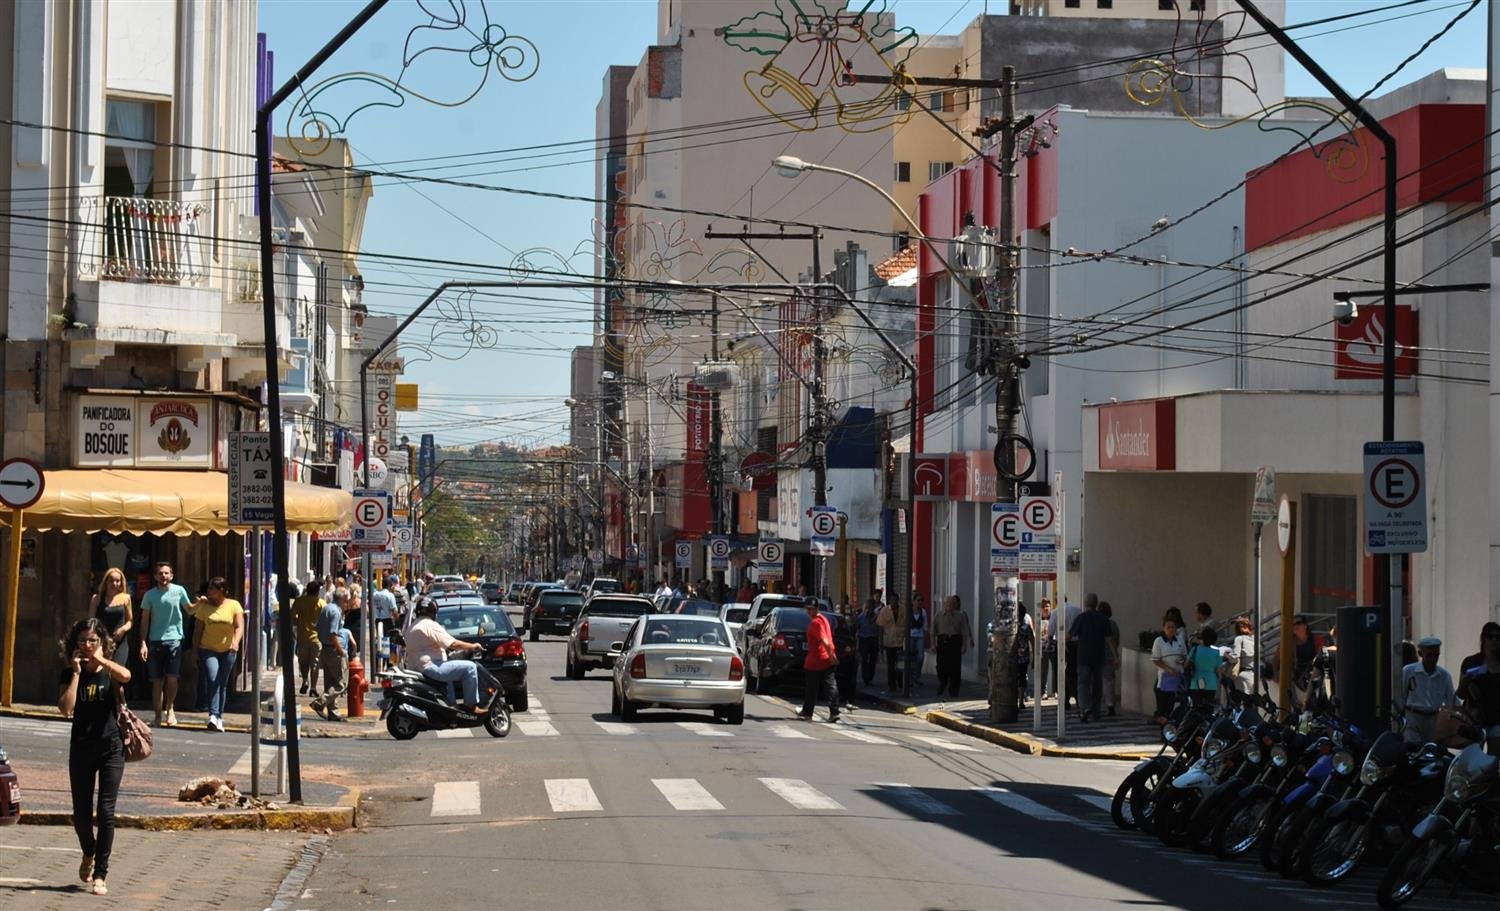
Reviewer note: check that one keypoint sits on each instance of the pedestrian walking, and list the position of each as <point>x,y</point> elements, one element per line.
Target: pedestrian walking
<point>383,613</point>
<point>1111,662</point>
<point>867,633</point>
<point>1022,650</point>
<point>917,654</point>
<point>1089,635</point>
<point>333,660</point>
<point>1169,655</point>
<point>1070,613</point>
<point>1425,689</point>
<point>1242,655</point>
<point>355,610</point>
<point>111,606</point>
<point>817,667</point>
<point>1204,665</point>
<point>221,626</point>
<point>162,610</point>
<point>1047,686</point>
<point>951,640</point>
<point>305,610</point>
<point>90,693</point>
<point>1479,685</point>
<point>892,622</point>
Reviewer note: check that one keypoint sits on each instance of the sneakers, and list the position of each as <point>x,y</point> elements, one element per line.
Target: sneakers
<point>303,690</point>
<point>332,715</point>
<point>99,888</point>
<point>215,723</point>
<point>86,868</point>
<point>805,716</point>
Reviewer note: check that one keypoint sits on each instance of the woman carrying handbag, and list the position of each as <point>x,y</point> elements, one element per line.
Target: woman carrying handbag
<point>89,693</point>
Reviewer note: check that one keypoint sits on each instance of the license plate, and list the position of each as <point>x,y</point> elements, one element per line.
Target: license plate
<point>686,669</point>
<point>15,794</point>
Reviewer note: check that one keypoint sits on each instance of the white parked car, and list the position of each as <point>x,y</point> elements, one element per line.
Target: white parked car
<point>678,661</point>
<point>734,616</point>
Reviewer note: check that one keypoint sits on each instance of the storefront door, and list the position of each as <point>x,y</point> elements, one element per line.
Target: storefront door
<point>1330,557</point>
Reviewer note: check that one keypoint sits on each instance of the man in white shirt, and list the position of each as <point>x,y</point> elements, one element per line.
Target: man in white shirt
<point>427,646</point>
<point>665,588</point>
<point>1425,688</point>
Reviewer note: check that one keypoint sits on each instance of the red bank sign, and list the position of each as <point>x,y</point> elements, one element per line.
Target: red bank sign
<point>1138,436</point>
<point>699,418</point>
<point>1359,348</point>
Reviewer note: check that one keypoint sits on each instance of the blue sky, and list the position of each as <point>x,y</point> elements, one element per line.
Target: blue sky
<point>512,389</point>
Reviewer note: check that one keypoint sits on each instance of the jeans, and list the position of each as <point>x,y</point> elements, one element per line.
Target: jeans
<point>950,650</point>
<point>1111,684</point>
<point>88,762</point>
<point>457,670</point>
<point>893,667</point>
<point>815,681</point>
<point>217,669</point>
<point>869,655</point>
<point>1090,688</point>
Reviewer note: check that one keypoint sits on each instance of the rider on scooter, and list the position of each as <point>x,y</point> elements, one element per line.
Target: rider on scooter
<point>427,646</point>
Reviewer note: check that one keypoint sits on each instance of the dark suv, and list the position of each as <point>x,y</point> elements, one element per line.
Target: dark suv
<point>491,592</point>
<point>776,646</point>
<point>531,599</point>
<point>554,612</point>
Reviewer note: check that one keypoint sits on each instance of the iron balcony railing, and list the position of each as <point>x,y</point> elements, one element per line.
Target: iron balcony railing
<point>154,240</point>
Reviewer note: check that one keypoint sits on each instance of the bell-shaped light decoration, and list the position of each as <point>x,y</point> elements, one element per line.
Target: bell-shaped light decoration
<point>973,252</point>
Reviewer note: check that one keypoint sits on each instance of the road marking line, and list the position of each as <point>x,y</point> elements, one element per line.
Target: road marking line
<point>1022,804</point>
<point>572,795</point>
<point>537,728</point>
<point>917,799</point>
<point>616,727</point>
<point>686,794</point>
<point>800,794</point>
<point>533,703</point>
<point>862,736</point>
<point>1097,800</point>
<point>703,729</point>
<point>455,798</point>
<point>241,766</point>
<point>455,732</point>
<point>944,744</point>
<point>787,731</point>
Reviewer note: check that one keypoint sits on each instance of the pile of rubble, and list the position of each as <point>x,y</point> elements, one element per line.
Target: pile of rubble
<point>220,793</point>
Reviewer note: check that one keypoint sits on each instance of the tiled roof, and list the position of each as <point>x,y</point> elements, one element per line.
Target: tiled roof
<point>898,263</point>
<point>280,164</point>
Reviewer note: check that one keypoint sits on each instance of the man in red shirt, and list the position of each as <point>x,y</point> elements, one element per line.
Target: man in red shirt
<point>817,667</point>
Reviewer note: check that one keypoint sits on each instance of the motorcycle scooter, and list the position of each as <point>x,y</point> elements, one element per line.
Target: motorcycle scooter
<point>411,703</point>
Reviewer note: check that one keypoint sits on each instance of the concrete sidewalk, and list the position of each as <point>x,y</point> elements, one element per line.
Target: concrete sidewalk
<point>1124,736</point>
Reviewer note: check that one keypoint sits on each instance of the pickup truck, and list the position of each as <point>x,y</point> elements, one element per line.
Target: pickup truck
<point>604,621</point>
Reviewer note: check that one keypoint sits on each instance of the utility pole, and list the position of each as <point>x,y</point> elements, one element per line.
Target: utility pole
<point>715,444</point>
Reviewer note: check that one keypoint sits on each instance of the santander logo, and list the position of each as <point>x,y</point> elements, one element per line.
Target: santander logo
<point>1121,442</point>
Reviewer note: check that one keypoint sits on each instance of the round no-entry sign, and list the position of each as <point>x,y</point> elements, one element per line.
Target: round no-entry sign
<point>21,483</point>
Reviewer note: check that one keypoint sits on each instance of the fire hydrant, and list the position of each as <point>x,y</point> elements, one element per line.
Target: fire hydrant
<point>358,686</point>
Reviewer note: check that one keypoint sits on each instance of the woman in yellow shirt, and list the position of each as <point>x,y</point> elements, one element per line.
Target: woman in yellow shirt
<point>221,624</point>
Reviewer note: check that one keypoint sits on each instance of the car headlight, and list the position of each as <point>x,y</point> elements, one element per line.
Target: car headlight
<point>1343,762</point>
<point>1169,733</point>
<point>1253,754</point>
<point>1278,756</point>
<point>1212,747</point>
<point>1373,772</point>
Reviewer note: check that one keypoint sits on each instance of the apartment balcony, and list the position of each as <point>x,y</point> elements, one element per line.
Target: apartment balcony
<point>161,241</point>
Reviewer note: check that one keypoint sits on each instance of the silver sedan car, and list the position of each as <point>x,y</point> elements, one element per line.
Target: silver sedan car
<point>679,661</point>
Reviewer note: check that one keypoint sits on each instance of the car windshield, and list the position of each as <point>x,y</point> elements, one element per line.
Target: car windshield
<point>605,585</point>
<point>474,621</point>
<point>699,608</point>
<point>562,599</point>
<point>737,614</point>
<point>489,586</point>
<point>673,631</point>
<point>619,607</point>
<point>771,603</point>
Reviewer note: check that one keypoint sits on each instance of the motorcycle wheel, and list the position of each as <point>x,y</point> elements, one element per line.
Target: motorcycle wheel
<point>1141,779</point>
<point>1412,867</point>
<point>1289,842</point>
<point>1172,813</point>
<point>1143,806</point>
<point>1201,824</point>
<point>497,722</point>
<point>1239,827</point>
<point>401,726</point>
<point>1333,851</point>
<point>1269,834</point>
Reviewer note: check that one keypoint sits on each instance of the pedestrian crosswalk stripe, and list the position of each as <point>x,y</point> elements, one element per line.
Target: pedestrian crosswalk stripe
<point>537,728</point>
<point>455,732</point>
<point>242,766</point>
<point>1022,804</point>
<point>862,736</point>
<point>703,729</point>
<point>686,794</point>
<point>572,795</point>
<point>1097,800</point>
<point>787,731</point>
<point>455,798</point>
<point>800,794</point>
<point>616,727</point>
<point>917,799</point>
<point>39,728</point>
<point>944,744</point>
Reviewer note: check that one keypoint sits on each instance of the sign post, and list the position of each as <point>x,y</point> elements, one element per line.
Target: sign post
<point>1262,510</point>
<point>1286,525</point>
<point>252,502</point>
<point>1395,524</point>
<point>21,485</point>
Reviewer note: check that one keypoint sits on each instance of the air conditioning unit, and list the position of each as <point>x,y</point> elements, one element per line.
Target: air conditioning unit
<point>717,375</point>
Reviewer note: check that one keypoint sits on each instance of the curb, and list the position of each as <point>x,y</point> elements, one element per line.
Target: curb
<point>335,819</point>
<point>314,731</point>
<point>1021,743</point>
<point>1018,742</point>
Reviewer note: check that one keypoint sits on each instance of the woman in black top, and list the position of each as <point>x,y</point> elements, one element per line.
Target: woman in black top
<point>111,606</point>
<point>90,694</point>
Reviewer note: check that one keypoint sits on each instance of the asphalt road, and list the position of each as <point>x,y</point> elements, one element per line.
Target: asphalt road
<point>576,810</point>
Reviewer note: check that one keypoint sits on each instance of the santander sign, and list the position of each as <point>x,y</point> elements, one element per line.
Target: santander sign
<point>1138,436</point>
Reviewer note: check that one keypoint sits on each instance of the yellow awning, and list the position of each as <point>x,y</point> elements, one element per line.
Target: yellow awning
<point>167,503</point>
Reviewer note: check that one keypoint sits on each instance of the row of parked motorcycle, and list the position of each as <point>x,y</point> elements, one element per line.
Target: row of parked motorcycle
<point>1315,797</point>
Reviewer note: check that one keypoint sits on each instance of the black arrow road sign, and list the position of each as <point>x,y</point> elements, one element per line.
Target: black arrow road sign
<point>28,483</point>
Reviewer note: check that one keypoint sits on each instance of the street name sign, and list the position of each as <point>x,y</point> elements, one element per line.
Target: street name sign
<point>1395,497</point>
<point>1263,507</point>
<point>251,501</point>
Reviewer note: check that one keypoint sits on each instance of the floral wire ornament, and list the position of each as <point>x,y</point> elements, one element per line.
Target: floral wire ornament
<point>448,35</point>
<point>456,331</point>
<point>813,48</point>
<point>1149,81</point>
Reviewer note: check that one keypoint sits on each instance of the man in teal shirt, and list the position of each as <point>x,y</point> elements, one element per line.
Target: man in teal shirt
<point>162,610</point>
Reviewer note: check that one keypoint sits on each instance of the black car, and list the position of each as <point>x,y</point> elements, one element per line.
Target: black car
<point>503,654</point>
<point>491,592</point>
<point>776,646</point>
<point>532,597</point>
<point>554,612</point>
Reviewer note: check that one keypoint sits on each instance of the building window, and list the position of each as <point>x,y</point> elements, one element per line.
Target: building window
<point>936,169</point>
<point>1106,4</point>
<point>947,102</point>
<point>1072,4</point>
<point>130,149</point>
<point>900,242</point>
<point>1196,5</point>
<point>903,102</point>
<point>1166,5</point>
<point>903,172</point>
